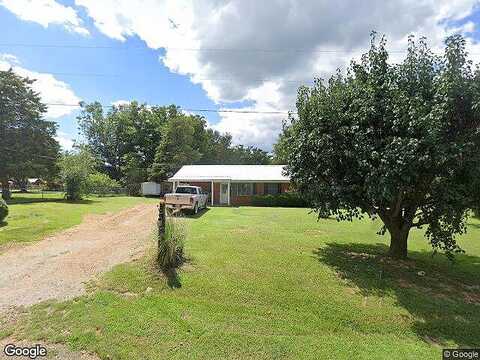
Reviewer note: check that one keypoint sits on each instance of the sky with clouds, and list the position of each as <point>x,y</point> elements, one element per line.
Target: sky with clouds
<point>246,55</point>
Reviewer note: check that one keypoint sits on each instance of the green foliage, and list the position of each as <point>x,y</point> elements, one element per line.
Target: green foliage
<point>136,142</point>
<point>75,167</point>
<point>130,129</point>
<point>178,147</point>
<point>248,155</point>
<point>187,141</point>
<point>288,199</point>
<point>101,184</point>
<point>170,246</point>
<point>395,141</point>
<point>28,147</point>
<point>134,174</point>
<point>3,210</point>
<point>280,148</point>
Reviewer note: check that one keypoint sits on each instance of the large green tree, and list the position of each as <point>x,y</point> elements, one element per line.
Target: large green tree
<point>135,141</point>
<point>248,155</point>
<point>132,129</point>
<point>27,141</point>
<point>281,147</point>
<point>179,146</point>
<point>399,142</point>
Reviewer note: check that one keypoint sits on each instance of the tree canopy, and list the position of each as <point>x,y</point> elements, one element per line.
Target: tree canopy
<point>395,141</point>
<point>27,141</point>
<point>125,132</point>
<point>135,142</point>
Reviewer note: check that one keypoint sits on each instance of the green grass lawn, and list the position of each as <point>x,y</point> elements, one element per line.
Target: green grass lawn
<point>32,216</point>
<point>276,284</point>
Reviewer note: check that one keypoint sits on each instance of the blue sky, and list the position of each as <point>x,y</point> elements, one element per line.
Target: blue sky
<point>217,54</point>
<point>132,71</point>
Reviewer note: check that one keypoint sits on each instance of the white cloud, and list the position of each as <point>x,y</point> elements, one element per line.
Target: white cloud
<point>120,102</point>
<point>65,141</point>
<point>308,38</point>
<point>51,90</point>
<point>46,12</point>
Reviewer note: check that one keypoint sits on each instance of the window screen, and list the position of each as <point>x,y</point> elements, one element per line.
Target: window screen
<point>272,189</point>
<point>241,189</point>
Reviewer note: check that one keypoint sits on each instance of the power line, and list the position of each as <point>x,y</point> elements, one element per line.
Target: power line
<point>197,110</point>
<point>294,81</point>
<point>236,50</point>
<point>257,50</point>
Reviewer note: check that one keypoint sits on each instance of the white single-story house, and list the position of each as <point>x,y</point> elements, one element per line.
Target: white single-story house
<point>234,184</point>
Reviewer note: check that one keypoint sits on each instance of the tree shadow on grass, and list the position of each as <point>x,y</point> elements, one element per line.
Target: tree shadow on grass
<point>444,302</point>
<point>32,200</point>
<point>3,223</point>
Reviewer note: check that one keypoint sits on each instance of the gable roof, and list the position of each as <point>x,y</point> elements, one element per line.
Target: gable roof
<point>272,173</point>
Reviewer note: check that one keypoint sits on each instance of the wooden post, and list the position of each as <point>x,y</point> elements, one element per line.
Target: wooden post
<point>161,220</point>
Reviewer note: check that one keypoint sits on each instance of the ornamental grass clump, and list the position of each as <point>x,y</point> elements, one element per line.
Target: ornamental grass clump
<point>170,245</point>
<point>3,210</point>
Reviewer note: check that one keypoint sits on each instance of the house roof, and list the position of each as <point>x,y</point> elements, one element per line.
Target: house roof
<point>265,173</point>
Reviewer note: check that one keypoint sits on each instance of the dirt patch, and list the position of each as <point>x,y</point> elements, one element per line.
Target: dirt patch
<point>59,266</point>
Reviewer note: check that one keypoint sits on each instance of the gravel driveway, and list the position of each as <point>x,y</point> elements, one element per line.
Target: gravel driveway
<point>58,266</point>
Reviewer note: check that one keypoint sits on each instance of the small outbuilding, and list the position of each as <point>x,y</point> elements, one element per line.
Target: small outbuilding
<point>234,184</point>
<point>35,181</point>
<point>151,188</point>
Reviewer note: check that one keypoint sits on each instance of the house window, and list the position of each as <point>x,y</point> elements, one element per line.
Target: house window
<point>272,188</point>
<point>242,189</point>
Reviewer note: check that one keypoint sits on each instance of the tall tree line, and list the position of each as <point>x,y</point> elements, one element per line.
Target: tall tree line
<point>135,142</point>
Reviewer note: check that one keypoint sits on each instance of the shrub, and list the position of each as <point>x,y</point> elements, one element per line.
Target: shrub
<point>290,199</point>
<point>3,210</point>
<point>74,170</point>
<point>170,246</point>
<point>476,212</point>
<point>101,184</point>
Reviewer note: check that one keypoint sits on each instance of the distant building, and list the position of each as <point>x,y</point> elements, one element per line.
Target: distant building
<point>35,181</point>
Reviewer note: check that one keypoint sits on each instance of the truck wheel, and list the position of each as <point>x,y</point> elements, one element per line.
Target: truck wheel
<point>195,209</point>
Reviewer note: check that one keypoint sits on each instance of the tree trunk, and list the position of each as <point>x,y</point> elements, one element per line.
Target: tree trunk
<point>6,195</point>
<point>398,243</point>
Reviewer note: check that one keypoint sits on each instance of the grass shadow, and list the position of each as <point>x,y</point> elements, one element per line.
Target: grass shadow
<point>173,278</point>
<point>3,223</point>
<point>193,216</point>
<point>444,301</point>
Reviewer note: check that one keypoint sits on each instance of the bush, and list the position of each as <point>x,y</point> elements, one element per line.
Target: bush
<point>74,170</point>
<point>3,210</point>
<point>101,184</point>
<point>170,246</point>
<point>289,199</point>
<point>74,187</point>
<point>476,212</point>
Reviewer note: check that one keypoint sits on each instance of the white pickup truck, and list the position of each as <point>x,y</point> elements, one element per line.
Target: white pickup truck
<point>186,197</point>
